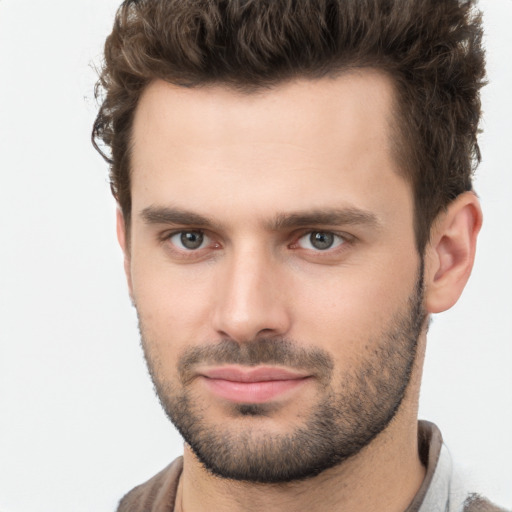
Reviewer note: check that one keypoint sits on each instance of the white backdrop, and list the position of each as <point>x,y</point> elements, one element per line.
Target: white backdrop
<point>79,424</point>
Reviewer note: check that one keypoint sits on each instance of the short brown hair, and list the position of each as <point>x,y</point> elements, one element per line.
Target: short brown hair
<point>431,49</point>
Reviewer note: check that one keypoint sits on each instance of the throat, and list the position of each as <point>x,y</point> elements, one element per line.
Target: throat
<point>359,484</point>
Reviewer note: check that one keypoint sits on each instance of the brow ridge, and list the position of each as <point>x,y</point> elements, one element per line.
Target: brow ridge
<point>326,217</point>
<point>316,217</point>
<point>178,216</point>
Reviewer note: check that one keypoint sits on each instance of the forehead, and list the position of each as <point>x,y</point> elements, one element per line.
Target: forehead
<point>306,141</point>
<point>301,110</point>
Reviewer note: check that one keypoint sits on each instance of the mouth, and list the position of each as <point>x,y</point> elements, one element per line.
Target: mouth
<point>252,385</point>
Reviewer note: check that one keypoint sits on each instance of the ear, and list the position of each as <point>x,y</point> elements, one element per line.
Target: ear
<point>123,242</point>
<point>450,253</point>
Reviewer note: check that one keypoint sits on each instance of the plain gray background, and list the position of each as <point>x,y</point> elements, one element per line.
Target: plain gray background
<point>79,424</point>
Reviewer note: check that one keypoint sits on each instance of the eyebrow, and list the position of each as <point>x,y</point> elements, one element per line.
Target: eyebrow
<point>325,217</point>
<point>167,215</point>
<point>318,217</point>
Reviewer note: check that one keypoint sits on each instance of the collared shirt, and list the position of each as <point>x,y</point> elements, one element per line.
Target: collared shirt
<point>441,490</point>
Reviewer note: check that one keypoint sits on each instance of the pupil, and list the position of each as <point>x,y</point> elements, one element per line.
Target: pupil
<point>191,239</point>
<point>321,240</point>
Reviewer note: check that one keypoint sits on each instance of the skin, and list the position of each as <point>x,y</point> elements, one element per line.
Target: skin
<point>242,161</point>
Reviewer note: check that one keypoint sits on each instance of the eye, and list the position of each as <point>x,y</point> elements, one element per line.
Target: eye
<point>320,241</point>
<point>189,240</point>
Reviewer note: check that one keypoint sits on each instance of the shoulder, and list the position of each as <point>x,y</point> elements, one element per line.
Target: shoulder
<point>155,495</point>
<point>476,503</point>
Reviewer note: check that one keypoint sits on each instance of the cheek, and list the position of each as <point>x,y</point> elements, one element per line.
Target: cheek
<point>348,312</point>
<point>172,306</point>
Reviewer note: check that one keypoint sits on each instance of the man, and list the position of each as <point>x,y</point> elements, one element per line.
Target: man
<point>295,201</point>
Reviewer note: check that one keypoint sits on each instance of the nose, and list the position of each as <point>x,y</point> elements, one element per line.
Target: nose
<point>250,298</point>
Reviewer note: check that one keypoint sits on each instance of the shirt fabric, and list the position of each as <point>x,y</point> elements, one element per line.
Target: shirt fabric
<point>441,490</point>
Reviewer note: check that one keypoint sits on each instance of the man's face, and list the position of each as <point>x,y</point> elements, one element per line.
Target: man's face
<point>273,266</point>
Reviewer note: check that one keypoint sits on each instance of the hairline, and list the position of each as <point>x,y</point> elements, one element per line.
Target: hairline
<point>399,147</point>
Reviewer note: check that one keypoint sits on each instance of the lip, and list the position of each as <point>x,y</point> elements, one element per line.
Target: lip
<point>252,385</point>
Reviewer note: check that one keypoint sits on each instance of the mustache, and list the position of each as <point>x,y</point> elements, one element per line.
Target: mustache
<point>262,351</point>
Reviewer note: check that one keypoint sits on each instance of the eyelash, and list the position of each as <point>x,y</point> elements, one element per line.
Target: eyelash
<point>338,241</point>
<point>184,252</point>
<point>343,241</point>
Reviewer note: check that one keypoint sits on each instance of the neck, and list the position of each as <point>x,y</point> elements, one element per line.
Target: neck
<point>372,480</point>
<point>384,476</point>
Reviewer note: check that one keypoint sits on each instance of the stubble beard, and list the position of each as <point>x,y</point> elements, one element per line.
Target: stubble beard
<point>336,428</point>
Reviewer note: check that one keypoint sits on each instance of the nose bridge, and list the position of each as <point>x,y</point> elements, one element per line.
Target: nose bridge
<point>249,303</point>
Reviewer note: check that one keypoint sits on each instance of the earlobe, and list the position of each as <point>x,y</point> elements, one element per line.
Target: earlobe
<point>451,252</point>
<point>123,242</point>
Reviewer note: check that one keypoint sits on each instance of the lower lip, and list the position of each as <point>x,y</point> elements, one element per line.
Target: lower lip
<point>252,392</point>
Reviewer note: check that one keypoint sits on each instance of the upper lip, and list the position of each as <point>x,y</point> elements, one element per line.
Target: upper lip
<point>258,374</point>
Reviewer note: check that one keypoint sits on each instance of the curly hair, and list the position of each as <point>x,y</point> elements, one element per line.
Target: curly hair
<point>431,49</point>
